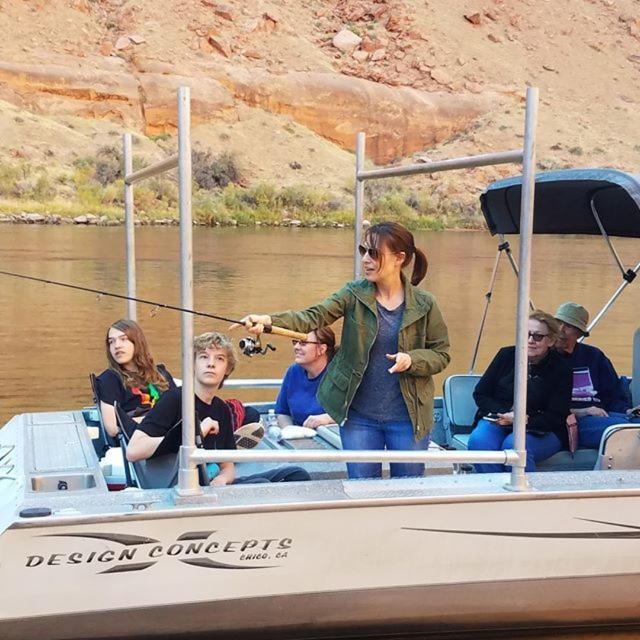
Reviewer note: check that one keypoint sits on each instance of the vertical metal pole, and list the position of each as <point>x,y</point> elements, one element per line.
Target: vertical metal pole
<point>359,205</point>
<point>487,298</point>
<point>518,477</point>
<point>130,243</point>
<point>188,476</point>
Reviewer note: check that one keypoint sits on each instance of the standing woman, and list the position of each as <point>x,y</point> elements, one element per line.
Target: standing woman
<point>132,380</point>
<point>379,386</point>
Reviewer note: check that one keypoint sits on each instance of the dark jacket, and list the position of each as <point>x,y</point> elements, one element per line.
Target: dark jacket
<point>548,391</point>
<point>595,381</point>
<point>423,335</point>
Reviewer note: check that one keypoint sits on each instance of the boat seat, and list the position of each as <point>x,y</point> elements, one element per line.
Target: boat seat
<point>619,447</point>
<point>461,409</point>
<point>110,441</point>
<point>161,471</point>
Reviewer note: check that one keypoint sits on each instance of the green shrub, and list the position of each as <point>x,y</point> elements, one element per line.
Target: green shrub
<point>9,176</point>
<point>108,165</point>
<point>211,172</point>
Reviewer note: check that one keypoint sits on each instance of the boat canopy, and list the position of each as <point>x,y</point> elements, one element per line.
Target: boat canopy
<point>569,201</point>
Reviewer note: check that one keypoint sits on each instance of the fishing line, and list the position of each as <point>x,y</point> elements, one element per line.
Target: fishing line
<point>109,294</point>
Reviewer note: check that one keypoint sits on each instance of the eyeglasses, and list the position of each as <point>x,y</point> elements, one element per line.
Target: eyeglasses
<point>537,337</point>
<point>374,253</point>
<point>304,343</point>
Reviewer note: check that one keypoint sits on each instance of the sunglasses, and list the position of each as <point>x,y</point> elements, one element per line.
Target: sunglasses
<point>537,337</point>
<point>374,253</point>
<point>304,343</point>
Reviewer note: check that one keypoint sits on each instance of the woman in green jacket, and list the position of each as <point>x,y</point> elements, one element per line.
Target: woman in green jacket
<point>379,386</point>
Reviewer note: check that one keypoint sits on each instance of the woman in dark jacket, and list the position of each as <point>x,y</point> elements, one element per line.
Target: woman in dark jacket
<point>548,398</point>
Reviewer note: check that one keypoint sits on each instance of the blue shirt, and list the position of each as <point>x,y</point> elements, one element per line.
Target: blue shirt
<point>379,396</point>
<point>297,397</point>
<point>595,381</point>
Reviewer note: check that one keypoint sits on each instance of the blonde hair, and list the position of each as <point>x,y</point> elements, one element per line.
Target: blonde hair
<point>546,318</point>
<point>218,341</point>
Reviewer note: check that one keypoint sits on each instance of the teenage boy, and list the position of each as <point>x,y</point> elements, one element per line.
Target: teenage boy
<point>214,361</point>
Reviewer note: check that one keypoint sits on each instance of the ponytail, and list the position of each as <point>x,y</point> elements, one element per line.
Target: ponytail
<point>420,266</point>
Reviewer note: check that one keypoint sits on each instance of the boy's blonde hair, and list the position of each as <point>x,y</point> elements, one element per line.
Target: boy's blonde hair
<point>218,341</point>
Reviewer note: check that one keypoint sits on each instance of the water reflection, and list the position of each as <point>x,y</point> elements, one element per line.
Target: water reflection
<point>51,338</point>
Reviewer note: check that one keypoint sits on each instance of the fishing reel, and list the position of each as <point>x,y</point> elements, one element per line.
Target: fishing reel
<point>252,346</point>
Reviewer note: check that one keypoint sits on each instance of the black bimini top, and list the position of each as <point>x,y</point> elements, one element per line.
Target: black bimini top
<point>563,203</point>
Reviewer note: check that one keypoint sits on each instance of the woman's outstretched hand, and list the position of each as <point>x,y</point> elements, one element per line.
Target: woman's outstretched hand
<point>402,362</point>
<point>253,323</point>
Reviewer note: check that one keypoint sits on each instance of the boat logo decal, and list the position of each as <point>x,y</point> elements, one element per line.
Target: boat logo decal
<point>629,532</point>
<point>113,553</point>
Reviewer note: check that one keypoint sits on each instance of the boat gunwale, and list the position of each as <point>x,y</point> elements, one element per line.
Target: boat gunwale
<point>194,510</point>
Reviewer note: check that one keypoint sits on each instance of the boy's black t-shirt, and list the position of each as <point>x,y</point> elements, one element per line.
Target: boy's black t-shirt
<point>137,400</point>
<point>168,413</point>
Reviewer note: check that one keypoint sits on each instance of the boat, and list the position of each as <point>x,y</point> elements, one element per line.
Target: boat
<point>448,552</point>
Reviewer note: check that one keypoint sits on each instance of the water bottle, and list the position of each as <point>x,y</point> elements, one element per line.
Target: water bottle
<point>273,430</point>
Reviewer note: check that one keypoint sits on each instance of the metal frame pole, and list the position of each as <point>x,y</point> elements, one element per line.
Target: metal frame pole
<point>359,204</point>
<point>130,243</point>
<point>605,235</point>
<point>188,483</point>
<point>518,477</point>
<point>487,298</point>
<point>627,281</point>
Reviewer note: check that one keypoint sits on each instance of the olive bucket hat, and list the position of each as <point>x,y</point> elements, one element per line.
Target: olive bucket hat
<point>575,315</point>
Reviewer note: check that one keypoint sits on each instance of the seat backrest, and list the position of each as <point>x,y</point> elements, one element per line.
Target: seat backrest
<point>620,447</point>
<point>458,400</point>
<point>109,440</point>
<point>157,473</point>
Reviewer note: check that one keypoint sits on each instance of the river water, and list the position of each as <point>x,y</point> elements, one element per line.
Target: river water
<point>51,337</point>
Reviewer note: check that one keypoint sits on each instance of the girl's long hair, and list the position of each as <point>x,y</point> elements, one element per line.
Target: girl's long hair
<point>145,370</point>
<point>399,239</point>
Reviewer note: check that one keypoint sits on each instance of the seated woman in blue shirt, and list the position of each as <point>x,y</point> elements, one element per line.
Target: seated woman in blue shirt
<point>296,403</point>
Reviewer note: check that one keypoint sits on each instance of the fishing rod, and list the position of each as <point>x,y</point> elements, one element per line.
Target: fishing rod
<point>249,346</point>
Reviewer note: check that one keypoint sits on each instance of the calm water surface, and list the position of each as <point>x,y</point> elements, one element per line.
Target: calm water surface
<point>51,338</point>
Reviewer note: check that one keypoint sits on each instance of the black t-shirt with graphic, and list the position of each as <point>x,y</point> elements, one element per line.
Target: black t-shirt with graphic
<point>134,401</point>
<point>168,414</point>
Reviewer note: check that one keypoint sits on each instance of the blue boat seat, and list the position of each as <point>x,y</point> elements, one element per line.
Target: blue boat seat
<point>461,409</point>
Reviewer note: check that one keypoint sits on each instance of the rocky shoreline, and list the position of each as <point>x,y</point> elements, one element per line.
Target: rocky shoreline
<point>90,219</point>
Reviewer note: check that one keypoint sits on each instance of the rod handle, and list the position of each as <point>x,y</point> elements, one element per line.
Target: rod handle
<point>287,333</point>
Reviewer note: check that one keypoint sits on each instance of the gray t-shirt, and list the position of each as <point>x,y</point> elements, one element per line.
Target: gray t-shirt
<point>379,397</point>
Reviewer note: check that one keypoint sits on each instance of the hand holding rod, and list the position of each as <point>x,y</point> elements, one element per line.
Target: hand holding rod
<point>258,324</point>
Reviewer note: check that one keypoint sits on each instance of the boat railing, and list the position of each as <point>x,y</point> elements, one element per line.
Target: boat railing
<point>506,457</point>
<point>526,156</point>
<point>253,383</point>
<point>190,456</point>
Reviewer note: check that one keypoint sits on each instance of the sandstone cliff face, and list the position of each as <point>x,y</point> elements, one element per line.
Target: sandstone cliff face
<point>69,90</point>
<point>398,121</point>
<point>210,101</point>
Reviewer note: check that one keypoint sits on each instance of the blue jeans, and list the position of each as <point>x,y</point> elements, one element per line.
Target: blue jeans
<point>359,433</point>
<point>489,436</point>
<point>591,428</point>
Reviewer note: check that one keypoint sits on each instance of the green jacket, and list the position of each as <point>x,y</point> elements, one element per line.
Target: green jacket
<point>423,335</point>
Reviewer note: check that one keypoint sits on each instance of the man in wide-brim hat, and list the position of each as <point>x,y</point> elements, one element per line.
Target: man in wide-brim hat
<point>598,398</point>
